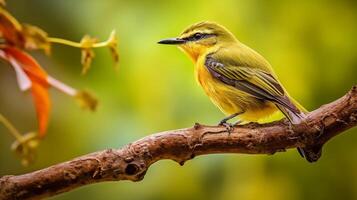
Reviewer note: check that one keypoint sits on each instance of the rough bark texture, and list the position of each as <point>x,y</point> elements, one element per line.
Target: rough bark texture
<point>133,160</point>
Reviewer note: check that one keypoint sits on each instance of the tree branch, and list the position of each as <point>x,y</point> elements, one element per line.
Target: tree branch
<point>133,160</point>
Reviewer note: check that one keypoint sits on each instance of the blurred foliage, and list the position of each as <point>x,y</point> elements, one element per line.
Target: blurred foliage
<point>311,44</point>
<point>16,38</point>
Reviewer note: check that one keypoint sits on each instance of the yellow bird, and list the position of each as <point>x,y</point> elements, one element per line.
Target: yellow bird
<point>238,80</point>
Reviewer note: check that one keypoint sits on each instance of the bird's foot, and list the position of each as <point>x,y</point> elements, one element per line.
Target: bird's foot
<point>229,127</point>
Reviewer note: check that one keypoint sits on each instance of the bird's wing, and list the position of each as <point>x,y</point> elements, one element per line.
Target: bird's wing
<point>254,81</point>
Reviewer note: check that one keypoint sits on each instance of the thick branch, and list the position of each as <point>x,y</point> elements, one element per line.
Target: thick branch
<point>133,160</point>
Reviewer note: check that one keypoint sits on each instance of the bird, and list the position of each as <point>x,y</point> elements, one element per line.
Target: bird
<point>237,79</point>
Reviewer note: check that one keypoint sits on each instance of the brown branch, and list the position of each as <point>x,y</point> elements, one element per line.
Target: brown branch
<point>133,160</point>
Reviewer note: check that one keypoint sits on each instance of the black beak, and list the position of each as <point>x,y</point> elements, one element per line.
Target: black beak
<point>172,41</point>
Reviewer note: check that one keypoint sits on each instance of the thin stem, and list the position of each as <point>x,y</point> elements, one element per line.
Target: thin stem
<point>11,128</point>
<point>65,42</point>
<point>100,44</point>
<point>76,44</point>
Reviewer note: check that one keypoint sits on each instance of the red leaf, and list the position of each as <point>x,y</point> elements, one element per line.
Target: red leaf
<point>39,86</point>
<point>30,65</point>
<point>43,104</point>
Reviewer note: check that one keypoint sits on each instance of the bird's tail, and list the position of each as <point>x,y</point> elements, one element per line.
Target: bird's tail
<point>295,113</point>
<point>292,110</point>
<point>295,116</point>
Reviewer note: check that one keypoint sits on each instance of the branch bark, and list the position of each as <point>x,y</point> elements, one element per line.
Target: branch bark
<point>133,160</point>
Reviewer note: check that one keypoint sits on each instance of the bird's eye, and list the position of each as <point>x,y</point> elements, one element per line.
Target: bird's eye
<point>198,36</point>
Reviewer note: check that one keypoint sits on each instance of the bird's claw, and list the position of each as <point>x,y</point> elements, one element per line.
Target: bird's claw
<point>229,127</point>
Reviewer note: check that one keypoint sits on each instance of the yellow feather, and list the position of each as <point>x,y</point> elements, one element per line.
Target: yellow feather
<point>229,99</point>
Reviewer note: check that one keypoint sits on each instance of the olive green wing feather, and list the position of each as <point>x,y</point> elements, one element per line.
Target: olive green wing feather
<point>254,81</point>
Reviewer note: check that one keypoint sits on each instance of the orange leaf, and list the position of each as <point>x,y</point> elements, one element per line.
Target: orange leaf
<point>29,65</point>
<point>39,84</point>
<point>43,105</point>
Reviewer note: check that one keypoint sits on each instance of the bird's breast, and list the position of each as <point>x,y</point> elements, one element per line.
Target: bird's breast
<point>223,96</point>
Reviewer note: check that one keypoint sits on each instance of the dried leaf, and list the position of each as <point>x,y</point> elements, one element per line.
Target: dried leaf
<point>87,43</point>
<point>26,148</point>
<point>87,57</point>
<point>112,44</point>
<point>87,100</point>
<point>2,2</point>
<point>35,38</point>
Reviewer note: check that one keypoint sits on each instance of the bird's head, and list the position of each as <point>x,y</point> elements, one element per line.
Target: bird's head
<point>199,38</point>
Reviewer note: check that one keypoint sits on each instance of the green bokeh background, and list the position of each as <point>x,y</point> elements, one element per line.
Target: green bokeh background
<point>311,44</point>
